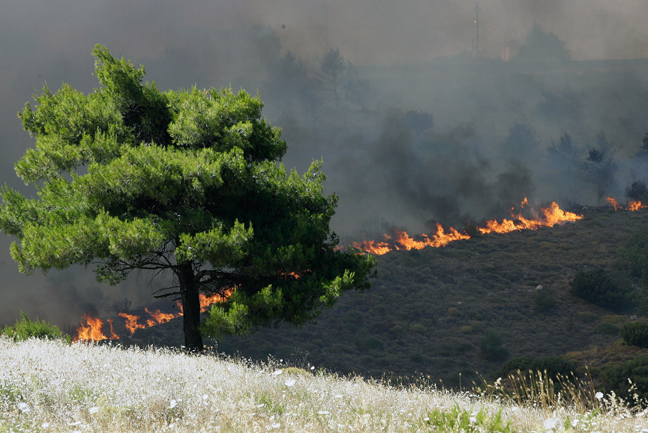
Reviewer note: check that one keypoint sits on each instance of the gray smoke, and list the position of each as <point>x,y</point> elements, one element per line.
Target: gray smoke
<point>413,128</point>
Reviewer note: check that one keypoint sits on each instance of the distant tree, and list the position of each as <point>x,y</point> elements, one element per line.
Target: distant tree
<point>332,69</point>
<point>540,46</point>
<point>188,183</point>
<point>637,191</point>
<point>293,88</point>
<point>267,44</point>
<point>357,90</point>
<point>521,144</point>
<point>564,154</point>
<point>599,167</point>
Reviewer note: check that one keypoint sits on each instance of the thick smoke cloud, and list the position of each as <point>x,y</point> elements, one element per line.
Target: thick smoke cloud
<point>421,131</point>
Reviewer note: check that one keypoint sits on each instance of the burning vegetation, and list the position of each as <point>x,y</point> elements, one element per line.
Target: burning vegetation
<point>538,217</point>
<point>93,328</point>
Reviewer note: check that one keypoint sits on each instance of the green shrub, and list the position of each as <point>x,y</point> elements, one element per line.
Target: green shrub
<point>628,379</point>
<point>25,328</point>
<point>635,334</point>
<point>587,316</point>
<point>597,287</point>
<point>607,328</point>
<point>544,300</point>
<point>554,366</point>
<point>418,329</point>
<point>369,343</point>
<point>491,347</point>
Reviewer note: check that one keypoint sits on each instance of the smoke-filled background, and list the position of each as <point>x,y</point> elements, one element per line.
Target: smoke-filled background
<point>423,110</point>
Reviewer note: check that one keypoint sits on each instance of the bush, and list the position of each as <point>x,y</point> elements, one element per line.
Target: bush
<point>491,347</point>
<point>607,328</point>
<point>598,288</point>
<point>544,300</point>
<point>554,366</point>
<point>628,379</point>
<point>635,334</point>
<point>25,328</point>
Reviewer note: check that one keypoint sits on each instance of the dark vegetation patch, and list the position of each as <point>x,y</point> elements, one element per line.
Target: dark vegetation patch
<point>467,309</point>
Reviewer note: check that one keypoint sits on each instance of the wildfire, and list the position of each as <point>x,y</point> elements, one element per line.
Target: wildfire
<point>546,217</point>
<point>632,206</point>
<point>92,330</point>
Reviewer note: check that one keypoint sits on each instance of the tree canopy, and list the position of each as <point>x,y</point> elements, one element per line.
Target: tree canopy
<point>187,182</point>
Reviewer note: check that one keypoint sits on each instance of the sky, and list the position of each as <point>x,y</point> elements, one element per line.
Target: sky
<point>216,43</point>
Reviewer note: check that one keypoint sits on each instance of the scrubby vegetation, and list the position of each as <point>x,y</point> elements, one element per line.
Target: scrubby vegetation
<point>26,328</point>
<point>429,312</point>
<point>131,390</point>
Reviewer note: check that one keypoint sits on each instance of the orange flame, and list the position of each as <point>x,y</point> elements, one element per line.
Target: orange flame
<point>547,217</point>
<point>632,206</point>
<point>613,202</point>
<point>403,241</point>
<point>636,205</point>
<point>92,330</point>
<point>159,317</point>
<point>131,322</point>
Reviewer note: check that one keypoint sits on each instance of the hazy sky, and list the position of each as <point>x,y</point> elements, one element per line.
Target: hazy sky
<point>208,42</point>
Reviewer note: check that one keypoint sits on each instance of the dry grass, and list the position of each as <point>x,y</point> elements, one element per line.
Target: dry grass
<point>52,386</point>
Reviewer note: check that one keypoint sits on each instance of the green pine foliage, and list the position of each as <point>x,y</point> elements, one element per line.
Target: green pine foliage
<point>635,334</point>
<point>599,288</point>
<point>131,178</point>
<point>26,328</point>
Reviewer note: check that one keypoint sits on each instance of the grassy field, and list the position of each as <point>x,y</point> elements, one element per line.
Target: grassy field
<point>52,386</point>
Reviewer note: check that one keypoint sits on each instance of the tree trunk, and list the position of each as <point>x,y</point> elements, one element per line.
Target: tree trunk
<point>189,291</point>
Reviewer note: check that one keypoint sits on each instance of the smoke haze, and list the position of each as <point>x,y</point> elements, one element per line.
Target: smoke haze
<point>416,126</point>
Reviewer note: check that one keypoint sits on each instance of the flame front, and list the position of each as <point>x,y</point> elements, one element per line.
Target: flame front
<point>632,206</point>
<point>92,330</point>
<point>613,202</point>
<point>400,240</point>
<point>131,322</point>
<point>636,205</point>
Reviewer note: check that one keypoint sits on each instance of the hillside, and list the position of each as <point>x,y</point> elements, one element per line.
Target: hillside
<point>116,390</point>
<point>429,312</point>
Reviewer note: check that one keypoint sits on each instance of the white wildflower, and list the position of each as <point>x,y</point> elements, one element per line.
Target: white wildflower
<point>173,404</point>
<point>323,412</point>
<point>550,423</point>
<point>45,425</point>
<point>24,407</point>
<point>277,373</point>
<point>275,425</point>
<point>290,382</point>
<point>93,409</point>
<point>598,395</point>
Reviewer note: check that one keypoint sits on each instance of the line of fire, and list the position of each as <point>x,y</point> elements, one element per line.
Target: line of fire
<point>95,329</point>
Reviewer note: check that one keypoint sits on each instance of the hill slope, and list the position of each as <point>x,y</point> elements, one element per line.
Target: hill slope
<point>457,310</point>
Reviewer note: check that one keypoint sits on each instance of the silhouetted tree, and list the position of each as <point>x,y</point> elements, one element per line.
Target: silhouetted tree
<point>332,68</point>
<point>599,167</point>
<point>292,88</point>
<point>540,46</point>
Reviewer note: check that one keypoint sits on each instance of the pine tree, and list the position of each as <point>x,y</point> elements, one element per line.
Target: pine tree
<point>130,178</point>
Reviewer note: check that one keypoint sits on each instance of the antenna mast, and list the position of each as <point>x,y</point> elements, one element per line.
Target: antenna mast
<point>476,48</point>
